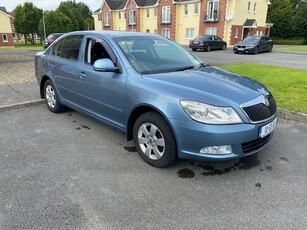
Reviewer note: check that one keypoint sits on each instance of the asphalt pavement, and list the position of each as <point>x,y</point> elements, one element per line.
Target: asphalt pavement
<point>51,178</point>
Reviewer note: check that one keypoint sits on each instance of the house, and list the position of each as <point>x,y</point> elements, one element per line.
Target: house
<point>182,20</point>
<point>6,27</point>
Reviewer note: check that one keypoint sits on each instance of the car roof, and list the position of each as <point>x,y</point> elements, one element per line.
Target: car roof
<point>111,34</point>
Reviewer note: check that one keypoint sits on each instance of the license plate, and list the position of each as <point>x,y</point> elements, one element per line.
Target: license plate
<point>267,129</point>
<point>195,42</point>
<point>240,49</point>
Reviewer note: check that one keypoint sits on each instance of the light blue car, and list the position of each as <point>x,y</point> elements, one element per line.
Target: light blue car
<point>171,103</point>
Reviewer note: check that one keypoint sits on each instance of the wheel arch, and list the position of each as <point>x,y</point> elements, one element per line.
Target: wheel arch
<point>138,111</point>
<point>41,86</point>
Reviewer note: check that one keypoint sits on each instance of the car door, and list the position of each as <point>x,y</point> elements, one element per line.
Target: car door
<point>263,46</point>
<point>101,94</point>
<point>63,63</point>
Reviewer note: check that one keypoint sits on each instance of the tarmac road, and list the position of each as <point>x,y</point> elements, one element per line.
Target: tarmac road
<point>290,59</point>
<point>66,171</point>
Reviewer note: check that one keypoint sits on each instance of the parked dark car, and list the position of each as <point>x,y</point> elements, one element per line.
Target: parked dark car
<point>208,43</point>
<point>171,103</point>
<point>254,45</point>
<point>50,39</point>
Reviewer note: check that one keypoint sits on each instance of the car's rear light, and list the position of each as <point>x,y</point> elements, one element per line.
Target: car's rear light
<point>51,41</point>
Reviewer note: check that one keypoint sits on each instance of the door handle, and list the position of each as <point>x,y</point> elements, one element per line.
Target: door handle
<point>82,75</point>
<point>52,66</point>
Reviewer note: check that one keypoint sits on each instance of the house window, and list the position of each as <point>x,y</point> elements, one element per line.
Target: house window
<point>12,26</point>
<point>196,7</point>
<point>155,12</point>
<point>186,10</point>
<point>166,32</point>
<point>99,18</point>
<point>166,14</point>
<point>210,31</point>
<point>106,19</point>
<point>147,13</point>
<point>255,6</point>
<point>14,35</point>
<point>213,10</point>
<point>5,38</point>
<point>248,6</point>
<point>119,15</point>
<point>237,32</point>
<point>189,33</point>
<point>132,17</point>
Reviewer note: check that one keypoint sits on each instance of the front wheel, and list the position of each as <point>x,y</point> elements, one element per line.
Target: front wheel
<point>51,98</point>
<point>208,48</point>
<point>154,140</point>
<point>256,50</point>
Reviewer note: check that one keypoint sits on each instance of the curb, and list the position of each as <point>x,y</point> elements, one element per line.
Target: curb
<point>293,116</point>
<point>21,105</point>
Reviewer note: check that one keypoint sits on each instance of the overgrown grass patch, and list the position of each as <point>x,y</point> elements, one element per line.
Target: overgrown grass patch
<point>289,86</point>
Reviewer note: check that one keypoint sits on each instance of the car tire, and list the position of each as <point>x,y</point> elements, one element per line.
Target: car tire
<point>208,48</point>
<point>51,98</point>
<point>194,49</point>
<point>154,140</point>
<point>224,47</point>
<point>256,50</point>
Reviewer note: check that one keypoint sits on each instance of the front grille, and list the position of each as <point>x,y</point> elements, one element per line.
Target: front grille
<point>241,46</point>
<point>255,145</point>
<point>261,112</point>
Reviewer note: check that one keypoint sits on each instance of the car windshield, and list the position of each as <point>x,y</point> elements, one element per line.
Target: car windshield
<point>252,39</point>
<point>156,54</point>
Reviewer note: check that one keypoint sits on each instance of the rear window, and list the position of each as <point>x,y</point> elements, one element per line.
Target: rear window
<point>68,47</point>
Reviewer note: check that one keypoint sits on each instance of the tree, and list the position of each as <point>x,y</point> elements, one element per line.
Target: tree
<point>301,20</point>
<point>27,19</point>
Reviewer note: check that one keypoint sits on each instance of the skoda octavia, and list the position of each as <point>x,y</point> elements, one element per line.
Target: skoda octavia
<point>171,103</point>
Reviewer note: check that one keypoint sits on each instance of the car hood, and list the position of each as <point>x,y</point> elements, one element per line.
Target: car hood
<point>210,85</point>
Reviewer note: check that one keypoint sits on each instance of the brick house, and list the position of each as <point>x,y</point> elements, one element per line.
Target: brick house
<point>182,20</point>
<point>6,28</point>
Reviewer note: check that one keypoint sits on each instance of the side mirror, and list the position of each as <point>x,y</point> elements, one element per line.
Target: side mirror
<point>105,65</point>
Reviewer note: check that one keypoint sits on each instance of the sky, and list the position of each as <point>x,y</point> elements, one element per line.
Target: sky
<point>47,4</point>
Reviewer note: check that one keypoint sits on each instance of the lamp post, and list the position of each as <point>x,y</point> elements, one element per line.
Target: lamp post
<point>44,27</point>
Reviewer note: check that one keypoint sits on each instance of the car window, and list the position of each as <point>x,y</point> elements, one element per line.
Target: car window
<point>68,47</point>
<point>95,50</point>
<point>267,38</point>
<point>156,54</point>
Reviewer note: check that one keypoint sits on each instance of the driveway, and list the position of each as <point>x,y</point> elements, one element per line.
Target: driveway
<point>295,60</point>
<point>66,171</point>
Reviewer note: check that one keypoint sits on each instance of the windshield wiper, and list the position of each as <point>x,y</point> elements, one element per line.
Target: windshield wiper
<point>184,68</point>
<point>203,64</point>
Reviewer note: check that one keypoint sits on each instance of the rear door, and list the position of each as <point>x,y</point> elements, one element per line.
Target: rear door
<point>63,63</point>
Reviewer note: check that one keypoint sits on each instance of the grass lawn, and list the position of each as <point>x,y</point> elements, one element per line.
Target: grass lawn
<point>289,86</point>
<point>293,48</point>
<point>23,46</point>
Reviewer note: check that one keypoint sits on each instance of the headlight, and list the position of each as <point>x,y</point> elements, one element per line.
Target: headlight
<point>210,114</point>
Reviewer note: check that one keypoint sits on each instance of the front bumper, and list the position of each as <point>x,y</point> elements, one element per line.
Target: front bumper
<point>244,50</point>
<point>243,138</point>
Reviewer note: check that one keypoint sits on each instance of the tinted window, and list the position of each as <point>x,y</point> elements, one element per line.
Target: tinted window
<point>68,47</point>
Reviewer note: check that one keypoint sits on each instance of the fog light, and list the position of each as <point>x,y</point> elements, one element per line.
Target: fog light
<point>223,149</point>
